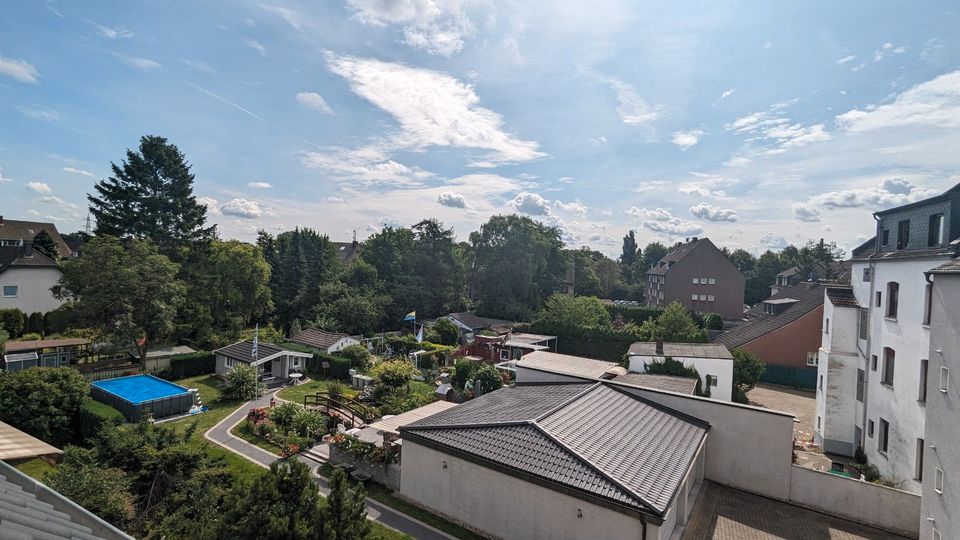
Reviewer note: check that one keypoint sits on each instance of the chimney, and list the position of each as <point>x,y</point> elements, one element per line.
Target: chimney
<point>28,249</point>
<point>660,345</point>
<point>694,239</point>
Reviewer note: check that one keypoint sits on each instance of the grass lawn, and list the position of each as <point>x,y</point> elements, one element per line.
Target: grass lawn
<point>243,431</point>
<point>385,495</point>
<point>296,393</point>
<point>35,468</point>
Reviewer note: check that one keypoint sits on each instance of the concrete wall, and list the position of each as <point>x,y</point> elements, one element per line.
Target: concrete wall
<point>789,344</point>
<point>883,507</point>
<point>527,376</point>
<point>387,474</point>
<point>721,368</point>
<point>505,506</point>
<point>943,413</point>
<point>748,448</point>
<point>33,294</point>
<point>836,412</point>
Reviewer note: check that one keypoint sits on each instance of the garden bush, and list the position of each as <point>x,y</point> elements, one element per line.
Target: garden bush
<point>93,416</point>
<point>14,321</point>
<point>393,373</point>
<point>192,364</point>
<point>340,368</point>
<point>35,323</point>
<point>358,355</point>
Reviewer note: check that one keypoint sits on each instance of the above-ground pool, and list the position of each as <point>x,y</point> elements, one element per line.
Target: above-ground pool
<point>136,395</point>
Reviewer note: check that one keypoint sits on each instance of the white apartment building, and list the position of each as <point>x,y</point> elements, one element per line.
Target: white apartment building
<point>880,405</point>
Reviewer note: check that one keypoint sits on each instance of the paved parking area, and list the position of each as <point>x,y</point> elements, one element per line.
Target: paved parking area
<point>800,403</point>
<point>724,513</point>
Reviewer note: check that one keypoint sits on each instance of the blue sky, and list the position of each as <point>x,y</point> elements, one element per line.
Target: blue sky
<point>754,123</point>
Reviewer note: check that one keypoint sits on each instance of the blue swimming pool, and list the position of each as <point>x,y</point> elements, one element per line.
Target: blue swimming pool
<point>136,394</point>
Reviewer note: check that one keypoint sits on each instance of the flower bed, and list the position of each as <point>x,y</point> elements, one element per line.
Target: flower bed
<point>289,426</point>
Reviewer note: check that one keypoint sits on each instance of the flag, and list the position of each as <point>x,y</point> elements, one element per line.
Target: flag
<point>420,335</point>
<point>412,316</point>
<point>256,343</point>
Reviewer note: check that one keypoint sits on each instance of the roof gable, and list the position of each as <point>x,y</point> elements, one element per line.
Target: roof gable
<point>315,337</point>
<point>12,229</point>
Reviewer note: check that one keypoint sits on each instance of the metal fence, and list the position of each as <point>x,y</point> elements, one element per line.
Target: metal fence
<point>798,377</point>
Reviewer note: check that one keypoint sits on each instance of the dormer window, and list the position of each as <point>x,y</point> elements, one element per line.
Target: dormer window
<point>903,234</point>
<point>935,231</point>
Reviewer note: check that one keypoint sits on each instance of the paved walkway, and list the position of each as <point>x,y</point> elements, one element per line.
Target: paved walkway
<point>220,434</point>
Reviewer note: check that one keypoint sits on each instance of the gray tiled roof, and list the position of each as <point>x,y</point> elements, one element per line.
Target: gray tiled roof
<point>243,351</point>
<point>952,267</point>
<point>13,229</point>
<point>314,337</point>
<point>684,350</point>
<point>11,256</point>
<point>808,296</point>
<point>24,516</point>
<point>591,438</point>
<point>670,383</point>
<point>475,322</point>
<point>676,254</point>
<point>842,296</point>
<point>565,364</point>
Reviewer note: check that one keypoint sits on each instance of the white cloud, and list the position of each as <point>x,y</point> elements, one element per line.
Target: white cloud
<point>891,192</point>
<point>199,66</point>
<point>599,141</point>
<point>113,33</point>
<point>433,109</point>
<point>213,207</point>
<point>846,59</point>
<point>738,161</point>
<point>935,103</point>
<point>259,185</point>
<point>673,227</point>
<point>366,165</point>
<point>19,70</point>
<point>81,172</point>
<point>314,101</point>
<point>291,17</point>
<point>575,208</point>
<point>774,129</point>
<point>713,213</point>
<point>38,187</point>
<point>40,113</point>
<point>3,178</point>
<point>453,200</point>
<point>658,214</point>
<point>143,64</point>
<point>63,208</point>
<point>887,49</point>
<point>438,27</point>
<point>335,199</point>
<point>773,241</point>
<point>242,208</point>
<point>805,212</point>
<point>633,109</point>
<point>727,93</point>
<point>708,185</point>
<point>686,139</point>
<point>257,46</point>
<point>530,203</point>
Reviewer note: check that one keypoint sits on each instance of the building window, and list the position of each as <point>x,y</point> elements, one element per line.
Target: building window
<point>504,354</point>
<point>870,428</point>
<point>873,362</point>
<point>944,378</point>
<point>889,359</point>
<point>703,281</point>
<point>864,323</point>
<point>10,291</point>
<point>885,237</point>
<point>296,362</point>
<point>922,395</point>
<point>228,362</point>
<point>935,231</point>
<point>696,281</point>
<point>703,298</point>
<point>883,435</point>
<point>812,358</point>
<point>711,380</point>
<point>818,423</point>
<point>826,326</point>
<point>710,298</point>
<point>903,233</point>
<point>938,481</point>
<point>820,384</point>
<point>918,462</point>
<point>879,298</point>
<point>693,297</point>
<point>861,377</point>
<point>927,304</point>
<point>713,281</point>
<point>867,274</point>
<point>893,299</point>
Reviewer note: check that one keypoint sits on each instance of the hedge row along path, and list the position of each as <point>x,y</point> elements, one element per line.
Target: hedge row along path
<point>220,435</point>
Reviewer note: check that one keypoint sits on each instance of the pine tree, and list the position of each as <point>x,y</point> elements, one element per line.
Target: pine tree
<point>346,509</point>
<point>44,243</point>
<point>151,196</point>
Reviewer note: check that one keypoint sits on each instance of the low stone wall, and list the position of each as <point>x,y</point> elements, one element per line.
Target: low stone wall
<point>387,474</point>
<point>872,504</point>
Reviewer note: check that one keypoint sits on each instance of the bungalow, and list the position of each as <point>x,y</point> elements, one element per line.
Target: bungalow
<point>581,460</point>
<point>44,353</point>
<point>323,341</point>
<point>157,359</point>
<point>469,323</point>
<point>510,346</point>
<point>281,362</point>
<point>548,367</point>
<point>26,279</point>
<point>713,362</point>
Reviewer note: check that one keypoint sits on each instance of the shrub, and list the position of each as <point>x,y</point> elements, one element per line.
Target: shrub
<point>44,402</point>
<point>336,388</point>
<point>462,372</point>
<point>35,323</point>
<point>94,415</point>
<point>712,321</point>
<point>58,321</point>
<point>14,321</point>
<point>193,364</point>
<point>340,368</point>
<point>669,366</point>
<point>283,414</point>
<point>393,373</point>
<point>487,379</point>
<point>747,370</point>
<point>447,333</point>
<point>358,355</point>
<point>242,383</point>
<point>30,336</point>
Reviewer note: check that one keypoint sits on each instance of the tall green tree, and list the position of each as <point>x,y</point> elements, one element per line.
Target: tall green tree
<point>302,262</point>
<point>44,243</point>
<point>150,196</point>
<point>675,325</point>
<point>103,491</point>
<point>652,255</point>
<point>628,257</point>
<point>129,290</point>
<point>518,263</point>
<point>44,402</point>
<point>585,279</point>
<point>282,503</point>
<point>747,370</point>
<point>346,509</point>
<point>562,312</point>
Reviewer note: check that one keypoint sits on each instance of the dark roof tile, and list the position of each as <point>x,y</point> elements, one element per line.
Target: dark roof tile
<point>243,351</point>
<point>314,337</point>
<point>808,296</point>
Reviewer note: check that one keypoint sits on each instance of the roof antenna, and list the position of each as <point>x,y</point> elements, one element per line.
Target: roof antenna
<point>86,227</point>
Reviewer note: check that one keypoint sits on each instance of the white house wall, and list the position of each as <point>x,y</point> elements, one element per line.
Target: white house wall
<point>505,506</point>
<point>838,362</point>
<point>33,289</point>
<point>720,368</point>
<point>342,344</point>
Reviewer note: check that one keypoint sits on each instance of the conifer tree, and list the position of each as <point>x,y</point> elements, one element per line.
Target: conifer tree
<point>44,243</point>
<point>346,510</point>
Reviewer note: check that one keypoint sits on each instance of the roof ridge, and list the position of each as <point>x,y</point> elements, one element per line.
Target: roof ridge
<point>508,423</point>
<point>568,401</point>
<point>614,385</point>
<point>596,468</point>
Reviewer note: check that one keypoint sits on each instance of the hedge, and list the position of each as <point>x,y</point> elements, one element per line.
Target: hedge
<point>634,314</point>
<point>597,343</point>
<point>339,367</point>
<point>189,365</point>
<point>94,415</point>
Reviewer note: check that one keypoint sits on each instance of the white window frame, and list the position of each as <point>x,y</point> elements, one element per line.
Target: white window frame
<point>296,362</point>
<point>703,298</point>
<point>703,280</point>
<point>228,362</point>
<point>693,297</point>
<point>713,281</point>
<point>813,359</point>
<point>16,291</point>
<point>696,281</point>
<point>938,479</point>
<point>944,379</point>
<point>504,354</point>
<point>710,298</point>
